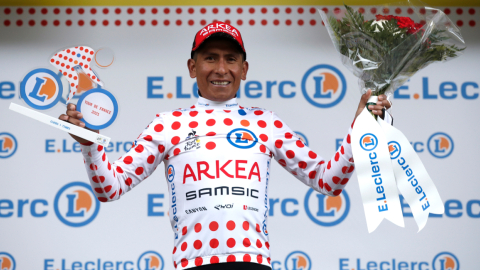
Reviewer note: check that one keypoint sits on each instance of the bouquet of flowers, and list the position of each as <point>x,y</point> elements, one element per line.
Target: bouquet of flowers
<point>385,51</point>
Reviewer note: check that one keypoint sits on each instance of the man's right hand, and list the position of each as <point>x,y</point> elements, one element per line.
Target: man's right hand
<point>73,116</point>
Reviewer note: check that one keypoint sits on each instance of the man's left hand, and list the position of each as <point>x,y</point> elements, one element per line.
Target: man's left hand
<point>376,109</point>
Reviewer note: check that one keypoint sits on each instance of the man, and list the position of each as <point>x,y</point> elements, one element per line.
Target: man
<point>217,157</point>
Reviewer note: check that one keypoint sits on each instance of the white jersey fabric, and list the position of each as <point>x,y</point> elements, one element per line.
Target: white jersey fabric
<point>217,160</point>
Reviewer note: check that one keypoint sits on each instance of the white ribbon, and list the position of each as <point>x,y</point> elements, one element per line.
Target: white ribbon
<point>375,173</point>
<point>412,178</point>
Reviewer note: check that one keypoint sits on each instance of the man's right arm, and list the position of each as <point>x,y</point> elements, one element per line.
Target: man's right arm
<point>111,180</point>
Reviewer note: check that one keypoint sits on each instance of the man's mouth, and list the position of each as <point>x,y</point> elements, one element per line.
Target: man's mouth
<point>220,82</point>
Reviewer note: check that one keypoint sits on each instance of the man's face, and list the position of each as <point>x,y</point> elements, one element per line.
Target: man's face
<point>219,68</point>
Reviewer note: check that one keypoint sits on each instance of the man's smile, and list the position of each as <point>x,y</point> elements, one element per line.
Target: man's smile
<point>220,83</point>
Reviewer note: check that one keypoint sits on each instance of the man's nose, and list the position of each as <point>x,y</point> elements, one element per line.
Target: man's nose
<point>221,67</point>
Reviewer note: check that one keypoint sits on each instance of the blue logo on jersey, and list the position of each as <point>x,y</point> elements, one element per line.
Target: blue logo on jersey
<point>242,138</point>
<point>170,173</point>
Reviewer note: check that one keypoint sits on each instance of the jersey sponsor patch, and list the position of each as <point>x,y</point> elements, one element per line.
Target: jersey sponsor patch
<point>242,138</point>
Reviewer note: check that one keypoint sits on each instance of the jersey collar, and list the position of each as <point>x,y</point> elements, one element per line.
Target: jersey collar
<point>205,103</point>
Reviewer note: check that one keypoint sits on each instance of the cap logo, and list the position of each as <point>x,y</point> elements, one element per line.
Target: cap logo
<point>219,27</point>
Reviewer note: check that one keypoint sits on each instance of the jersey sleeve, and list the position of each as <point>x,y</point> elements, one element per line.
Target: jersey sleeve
<point>328,177</point>
<point>110,180</point>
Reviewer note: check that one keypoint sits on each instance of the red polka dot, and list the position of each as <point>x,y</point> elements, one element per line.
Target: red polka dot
<point>177,113</point>
<point>282,162</point>
<point>239,10</point>
<point>288,22</point>
<point>184,230</point>
<point>190,22</point>
<point>203,22</point>
<point>210,145</point>
<point>460,23</point>
<point>102,199</point>
<point>193,124</point>
<point>178,22</point>
<point>193,113</point>
<point>166,22</point>
<point>231,258</point>
<point>312,155</point>
<point>259,258</point>
<point>119,169</point>
<point>231,242</point>
<point>262,124</point>
<point>198,260</point>
<point>128,181</point>
<point>161,148</point>
<point>128,160</point>
<point>278,124</point>
<point>214,244</point>
<point>302,164</point>
<point>246,242</point>
<point>258,228</point>
<point>44,22</point>
<point>290,154</point>
<point>176,151</point>
<point>228,121</point>
<point>184,262</point>
<point>184,246</point>
<point>176,125</point>
<point>32,23</point>
<point>246,257</point>
<point>263,137</point>
<point>278,143</point>
<point>267,245</point>
<point>6,22</point>
<point>211,122</point>
<point>211,133</point>
<point>175,140</point>
<point>231,225</point>
<point>213,226</point>
<point>148,138</point>
<point>312,174</point>
<point>197,244</point>
<point>259,243</point>
<point>336,180</point>
<point>459,11</point>
<point>299,144</point>
<point>300,22</point>
<point>276,22</point>
<point>20,23</point>
<point>214,259</point>
<point>263,149</point>
<point>139,148</point>
<point>198,227</point>
<point>288,135</point>
<point>313,22</point>
<point>471,11</point>
<point>139,170</point>
<point>151,159</point>
<point>471,23</point>
<point>327,187</point>
<point>344,181</point>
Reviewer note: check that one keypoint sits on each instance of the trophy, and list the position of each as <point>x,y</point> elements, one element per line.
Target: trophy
<point>42,89</point>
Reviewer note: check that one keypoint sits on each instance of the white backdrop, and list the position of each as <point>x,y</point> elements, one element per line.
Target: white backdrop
<point>306,231</point>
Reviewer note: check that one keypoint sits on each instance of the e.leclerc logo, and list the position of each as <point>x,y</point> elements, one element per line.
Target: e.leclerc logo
<point>445,261</point>
<point>76,205</point>
<point>324,86</point>
<point>298,260</point>
<point>150,260</point>
<point>441,261</point>
<point>440,145</point>
<point>368,142</point>
<point>8,146</point>
<point>7,262</point>
<point>242,138</point>
<point>394,149</point>
<point>170,173</point>
<point>326,210</point>
<point>41,89</point>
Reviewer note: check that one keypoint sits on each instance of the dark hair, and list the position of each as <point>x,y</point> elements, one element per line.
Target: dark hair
<point>217,36</point>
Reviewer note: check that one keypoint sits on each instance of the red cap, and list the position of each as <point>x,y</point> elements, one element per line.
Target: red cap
<point>214,28</point>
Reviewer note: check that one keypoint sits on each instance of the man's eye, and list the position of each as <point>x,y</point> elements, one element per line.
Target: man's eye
<point>209,58</point>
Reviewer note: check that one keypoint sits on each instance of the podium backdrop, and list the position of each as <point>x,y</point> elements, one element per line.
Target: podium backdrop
<point>44,224</point>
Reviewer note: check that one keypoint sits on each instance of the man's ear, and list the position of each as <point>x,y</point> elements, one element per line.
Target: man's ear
<point>244,70</point>
<point>191,68</point>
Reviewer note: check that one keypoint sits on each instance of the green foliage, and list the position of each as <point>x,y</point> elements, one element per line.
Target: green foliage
<point>383,51</point>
